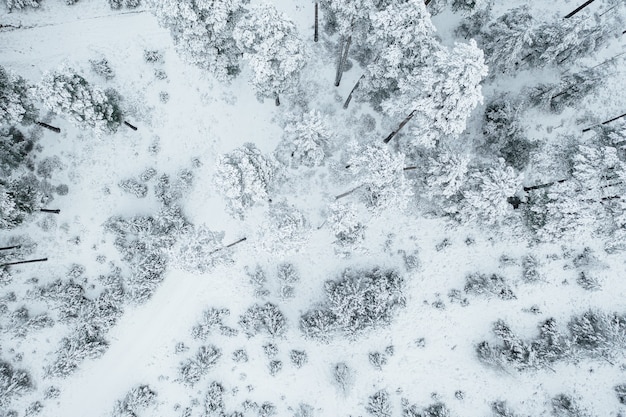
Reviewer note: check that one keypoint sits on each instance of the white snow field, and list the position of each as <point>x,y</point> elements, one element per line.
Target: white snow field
<point>189,123</point>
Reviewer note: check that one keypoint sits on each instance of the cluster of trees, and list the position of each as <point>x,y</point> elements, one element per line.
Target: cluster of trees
<point>593,334</point>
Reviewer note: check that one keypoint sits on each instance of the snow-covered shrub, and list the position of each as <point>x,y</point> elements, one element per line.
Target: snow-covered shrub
<point>305,140</point>
<point>378,405</point>
<point>501,409</point>
<point>130,4</point>
<point>270,350</point>
<point>132,186</point>
<point>485,284</point>
<point>379,176</point>
<point>193,369</point>
<point>21,4</point>
<point>446,174</point>
<point>568,92</point>
<point>275,367</point>
<point>13,383</point>
<point>21,322</point>
<point>620,391</point>
<point>345,225</point>
<point>343,376</point>
<point>66,92</point>
<point>102,68</point>
<point>135,402</point>
<point>15,98</point>
<point>168,190</point>
<point>564,405</point>
<point>153,56</point>
<point>272,47</point>
<point>472,25</point>
<point>588,281</point>
<point>358,301</point>
<point>598,334</point>
<point>211,320</point>
<point>199,250</point>
<point>377,359</point>
<point>530,268</point>
<point>267,409</point>
<point>14,151</point>
<point>18,198</point>
<point>203,32</point>
<point>287,229</point>
<point>287,276</point>
<point>298,358</point>
<point>303,410</point>
<point>214,400</point>
<point>240,356</point>
<point>245,177</point>
<point>258,279</point>
<point>265,318</point>
<point>74,349</point>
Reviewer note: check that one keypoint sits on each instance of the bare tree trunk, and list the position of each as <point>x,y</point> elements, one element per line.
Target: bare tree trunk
<point>347,193</point>
<point>11,247</point>
<point>24,262</point>
<point>243,239</point>
<point>587,129</point>
<point>427,2</point>
<point>47,126</point>
<point>546,185</point>
<point>579,8</point>
<point>347,103</point>
<point>277,100</point>
<point>54,211</point>
<point>411,168</point>
<point>404,122</point>
<point>129,125</point>
<point>343,57</point>
<point>315,34</point>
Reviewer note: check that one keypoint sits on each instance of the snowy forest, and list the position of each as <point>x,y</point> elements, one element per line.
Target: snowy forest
<point>257,208</point>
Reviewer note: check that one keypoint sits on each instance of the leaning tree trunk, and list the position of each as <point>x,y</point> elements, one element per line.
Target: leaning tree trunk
<point>24,262</point>
<point>130,125</point>
<point>347,103</point>
<point>579,8</point>
<point>343,57</point>
<point>404,122</point>
<point>49,127</point>
<point>587,129</point>
<point>315,33</point>
<point>546,185</point>
<point>54,211</point>
<point>427,2</point>
<point>11,247</point>
<point>277,100</point>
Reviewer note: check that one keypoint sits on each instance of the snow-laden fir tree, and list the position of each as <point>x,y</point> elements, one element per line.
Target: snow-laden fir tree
<point>135,402</point>
<point>379,177</point>
<point>507,40</point>
<point>286,229</point>
<point>21,4</point>
<point>245,177</point>
<point>16,105</point>
<point>203,32</point>
<point>487,193</point>
<point>446,175</point>
<point>569,91</point>
<point>272,47</point>
<point>442,95</point>
<point>64,91</point>
<point>344,223</point>
<point>199,249</point>
<point>305,140</point>
<point>402,35</point>
<point>18,198</point>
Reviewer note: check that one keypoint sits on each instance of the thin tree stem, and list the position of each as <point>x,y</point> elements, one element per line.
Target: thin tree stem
<point>579,8</point>
<point>587,129</point>
<point>404,122</point>
<point>315,34</point>
<point>24,262</point>
<point>11,247</point>
<point>54,211</point>
<point>49,127</point>
<point>347,103</point>
<point>129,125</point>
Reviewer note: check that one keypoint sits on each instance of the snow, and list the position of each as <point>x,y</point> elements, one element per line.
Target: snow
<point>203,119</point>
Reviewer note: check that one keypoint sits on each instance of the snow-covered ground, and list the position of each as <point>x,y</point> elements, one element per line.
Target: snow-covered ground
<point>434,339</point>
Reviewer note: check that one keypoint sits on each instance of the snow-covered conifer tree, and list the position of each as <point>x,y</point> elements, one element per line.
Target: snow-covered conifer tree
<point>287,229</point>
<point>486,199</point>
<point>203,32</point>
<point>273,49</point>
<point>441,95</point>
<point>199,249</point>
<point>18,198</point>
<point>16,104</point>
<point>305,140</point>
<point>345,225</point>
<point>402,35</point>
<point>379,176</point>
<point>21,4</point>
<point>245,178</point>
<point>66,92</point>
<point>446,174</point>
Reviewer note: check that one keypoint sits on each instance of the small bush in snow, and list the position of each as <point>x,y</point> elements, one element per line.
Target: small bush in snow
<point>530,268</point>
<point>15,99</point>
<point>267,409</point>
<point>377,359</point>
<point>298,358</point>
<point>193,369</point>
<point>153,56</point>
<point>132,186</point>
<point>14,150</point>
<point>564,406</point>
<point>303,410</point>
<point>21,4</point>
<point>74,349</point>
<point>240,356</point>
<point>620,391</point>
<point>19,197</point>
<point>266,318</point>
<point>343,376</point>
<point>287,229</point>
<point>102,68</point>
<point>135,402</point>
<point>378,405</point>
<point>270,350</point>
<point>13,383</point>
<point>501,409</point>
<point>589,281</point>
<point>484,284</point>
<point>214,401</point>
<point>211,320</point>
<point>345,225</point>
<point>275,367</point>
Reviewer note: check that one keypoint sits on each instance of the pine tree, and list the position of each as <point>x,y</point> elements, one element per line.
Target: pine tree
<point>203,32</point>
<point>21,4</point>
<point>18,198</point>
<point>66,92</point>
<point>199,249</point>
<point>245,177</point>
<point>402,36</point>
<point>273,49</point>
<point>446,175</point>
<point>305,140</point>
<point>287,229</point>
<point>16,105</point>
<point>442,95</point>
<point>379,176</point>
